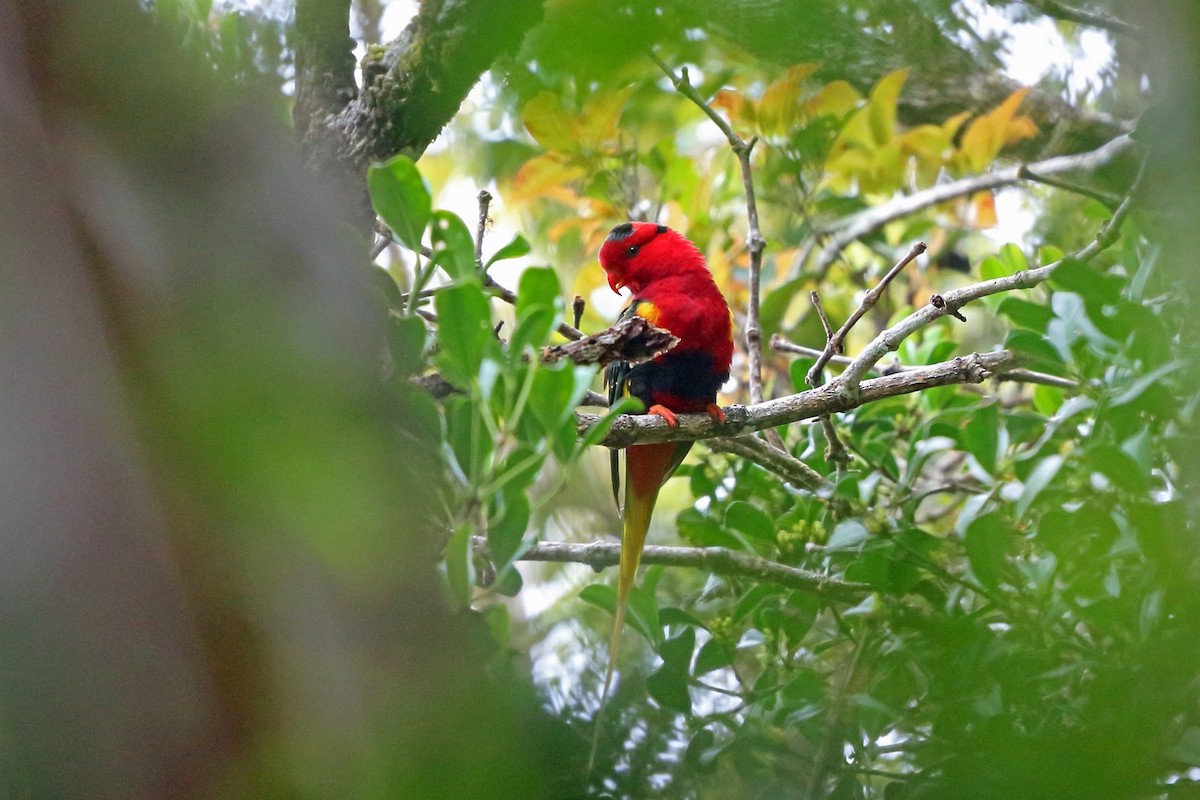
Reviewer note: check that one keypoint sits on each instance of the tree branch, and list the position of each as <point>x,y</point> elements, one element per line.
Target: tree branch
<point>772,459</point>
<point>1107,22</point>
<point>415,86</point>
<point>890,339</point>
<point>854,227</point>
<point>324,85</point>
<point>781,345</point>
<point>716,560</point>
<point>833,345</point>
<point>648,428</point>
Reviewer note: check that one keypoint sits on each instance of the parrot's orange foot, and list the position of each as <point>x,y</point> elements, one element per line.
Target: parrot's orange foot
<point>666,413</point>
<point>715,413</point>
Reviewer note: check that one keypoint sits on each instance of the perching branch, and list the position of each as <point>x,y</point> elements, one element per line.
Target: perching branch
<point>716,560</point>
<point>856,226</point>
<point>781,345</point>
<point>648,428</point>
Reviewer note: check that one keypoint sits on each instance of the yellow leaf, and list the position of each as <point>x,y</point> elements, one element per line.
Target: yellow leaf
<point>984,206</point>
<point>601,113</point>
<point>950,127</point>
<point>549,124</point>
<point>779,104</point>
<point>925,141</point>
<point>1005,111</point>
<point>929,146</point>
<point>883,105</point>
<point>1022,127</point>
<point>836,98</point>
<point>977,143</point>
<point>538,176</point>
<point>987,135</point>
<point>737,106</point>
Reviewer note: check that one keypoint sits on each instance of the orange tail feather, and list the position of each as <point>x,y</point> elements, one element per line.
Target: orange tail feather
<point>647,467</point>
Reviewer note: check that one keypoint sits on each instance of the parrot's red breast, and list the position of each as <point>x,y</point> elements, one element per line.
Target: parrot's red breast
<point>673,289</point>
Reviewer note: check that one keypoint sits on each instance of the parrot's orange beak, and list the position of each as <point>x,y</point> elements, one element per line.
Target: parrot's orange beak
<point>615,283</point>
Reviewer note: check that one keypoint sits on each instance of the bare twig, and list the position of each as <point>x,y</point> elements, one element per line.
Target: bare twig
<point>816,301</point>
<point>485,199</point>
<point>717,560</point>
<point>1109,200</point>
<point>648,428</point>
<point>595,399</point>
<point>834,344</point>
<point>577,310</point>
<point>856,226</point>
<point>781,345</point>
<point>835,453</point>
<point>755,242</point>
<point>1095,19</point>
<point>382,243</point>
<point>771,458</point>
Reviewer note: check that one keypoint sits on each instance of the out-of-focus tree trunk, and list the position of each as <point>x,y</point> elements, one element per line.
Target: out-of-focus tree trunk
<point>217,528</point>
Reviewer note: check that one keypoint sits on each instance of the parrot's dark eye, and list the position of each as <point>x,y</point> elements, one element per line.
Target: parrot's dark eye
<point>632,251</point>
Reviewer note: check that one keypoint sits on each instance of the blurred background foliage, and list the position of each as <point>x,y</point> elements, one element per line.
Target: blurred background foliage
<point>245,477</point>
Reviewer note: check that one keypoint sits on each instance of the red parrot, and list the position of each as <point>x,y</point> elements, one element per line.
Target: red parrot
<point>673,289</point>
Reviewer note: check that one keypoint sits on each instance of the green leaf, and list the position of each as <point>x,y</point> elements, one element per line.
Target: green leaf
<point>992,267</point>
<point>987,542</point>
<point>459,565</point>
<point>1035,347</point>
<point>515,249</point>
<point>1035,316</point>
<point>1013,258</point>
<point>753,599</point>
<point>643,612</point>
<point>453,247</point>
<point>741,516</point>
<point>804,689</point>
<point>714,654</point>
<point>406,343</point>
<point>668,685</point>
<point>539,308</point>
<point>506,530</point>
<point>400,196</point>
<point>981,436</point>
<point>1118,467</point>
<point>1038,479</point>
<point>1088,282</point>
<point>677,616</point>
<point>698,528</point>
<point>596,433</point>
<point>465,336</point>
<point>600,595</point>
<point>848,534</point>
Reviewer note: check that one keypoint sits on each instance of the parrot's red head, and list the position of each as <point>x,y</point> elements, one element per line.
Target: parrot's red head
<point>636,253</point>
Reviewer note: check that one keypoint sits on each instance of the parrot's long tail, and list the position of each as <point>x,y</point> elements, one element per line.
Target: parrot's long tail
<point>647,468</point>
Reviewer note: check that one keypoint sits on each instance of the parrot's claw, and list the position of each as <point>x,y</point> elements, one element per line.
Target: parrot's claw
<point>715,412</point>
<point>666,413</point>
